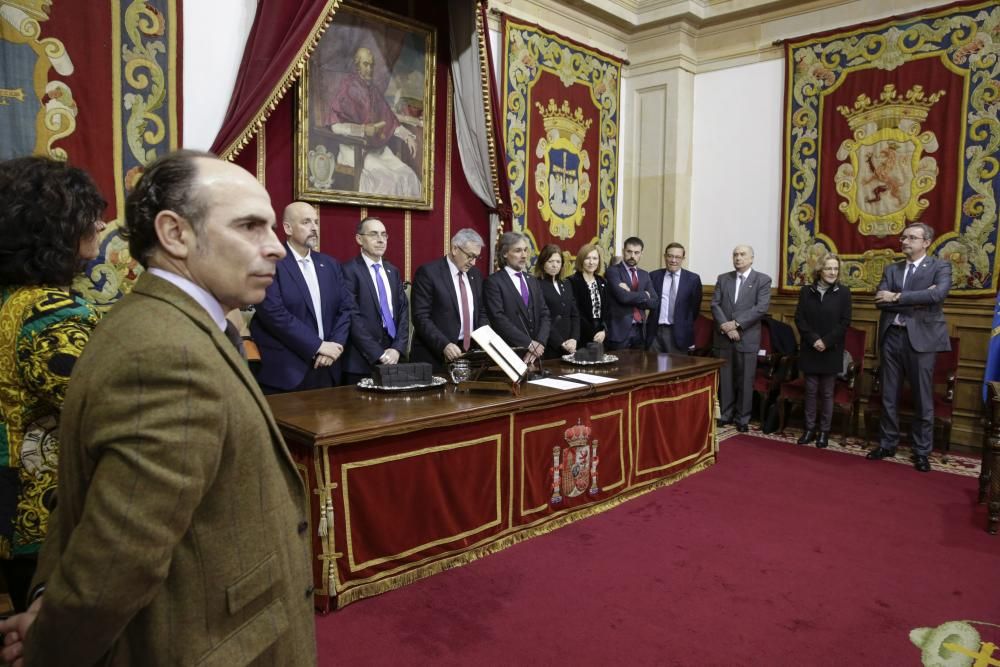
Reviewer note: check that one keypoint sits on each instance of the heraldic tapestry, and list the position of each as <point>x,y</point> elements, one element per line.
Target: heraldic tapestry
<point>892,123</point>
<point>561,139</point>
<point>95,84</point>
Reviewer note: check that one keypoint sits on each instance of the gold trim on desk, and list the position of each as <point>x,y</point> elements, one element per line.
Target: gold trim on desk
<point>670,399</point>
<point>496,439</point>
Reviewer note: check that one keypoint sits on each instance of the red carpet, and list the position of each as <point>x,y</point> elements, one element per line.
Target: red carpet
<point>777,555</point>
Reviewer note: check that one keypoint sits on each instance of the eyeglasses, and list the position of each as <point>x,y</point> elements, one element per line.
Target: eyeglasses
<point>468,254</point>
<point>376,235</point>
<point>910,237</point>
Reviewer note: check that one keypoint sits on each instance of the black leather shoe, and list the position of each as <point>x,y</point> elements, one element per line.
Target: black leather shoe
<point>880,453</point>
<point>807,437</point>
<point>722,423</point>
<point>922,464</point>
<point>823,440</point>
<point>743,428</point>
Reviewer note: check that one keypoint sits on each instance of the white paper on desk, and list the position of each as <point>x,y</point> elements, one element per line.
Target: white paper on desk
<point>587,377</point>
<point>556,383</point>
<point>501,354</point>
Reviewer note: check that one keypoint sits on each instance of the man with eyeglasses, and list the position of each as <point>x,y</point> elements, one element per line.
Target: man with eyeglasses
<point>447,298</point>
<point>911,331</point>
<point>672,318</point>
<point>301,327</point>
<point>380,327</point>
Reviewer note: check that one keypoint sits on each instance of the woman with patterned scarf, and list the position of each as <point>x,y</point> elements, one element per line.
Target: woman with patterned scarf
<point>49,226</point>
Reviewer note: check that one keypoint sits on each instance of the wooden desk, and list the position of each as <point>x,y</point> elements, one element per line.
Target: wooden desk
<point>407,485</point>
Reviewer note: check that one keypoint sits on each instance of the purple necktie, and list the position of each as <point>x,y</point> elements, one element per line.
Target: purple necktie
<point>383,303</point>
<point>524,288</point>
<point>466,324</point>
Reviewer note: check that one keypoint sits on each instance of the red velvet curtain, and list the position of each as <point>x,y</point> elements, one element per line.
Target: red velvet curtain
<point>281,40</point>
<point>283,33</point>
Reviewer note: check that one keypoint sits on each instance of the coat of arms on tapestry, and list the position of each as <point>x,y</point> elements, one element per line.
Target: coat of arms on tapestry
<point>888,124</point>
<point>560,123</point>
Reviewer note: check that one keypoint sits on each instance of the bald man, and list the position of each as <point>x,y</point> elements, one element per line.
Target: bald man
<point>741,298</point>
<point>301,327</point>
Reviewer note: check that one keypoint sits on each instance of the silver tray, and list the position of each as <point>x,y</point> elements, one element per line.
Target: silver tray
<point>608,359</point>
<point>366,384</point>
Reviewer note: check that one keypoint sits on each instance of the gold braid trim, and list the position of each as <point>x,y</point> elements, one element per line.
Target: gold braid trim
<point>380,586</point>
<point>484,75</point>
<point>291,75</point>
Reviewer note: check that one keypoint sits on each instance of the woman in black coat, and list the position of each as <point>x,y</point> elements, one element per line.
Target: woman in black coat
<point>565,329</point>
<point>822,317</point>
<point>591,292</point>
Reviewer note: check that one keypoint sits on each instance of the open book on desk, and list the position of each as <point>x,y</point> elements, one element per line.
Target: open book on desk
<point>501,354</point>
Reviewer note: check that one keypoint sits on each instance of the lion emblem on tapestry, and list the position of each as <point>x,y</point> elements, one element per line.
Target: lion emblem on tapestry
<point>891,124</point>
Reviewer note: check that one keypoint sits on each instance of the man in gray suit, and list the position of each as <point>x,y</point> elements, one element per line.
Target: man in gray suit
<point>741,298</point>
<point>911,331</point>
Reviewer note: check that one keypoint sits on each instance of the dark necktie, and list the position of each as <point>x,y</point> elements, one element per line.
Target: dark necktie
<point>673,298</point>
<point>739,284</point>
<point>233,334</point>
<point>636,313</point>
<point>383,303</point>
<point>466,325</point>
<point>524,288</point>
<point>900,317</point>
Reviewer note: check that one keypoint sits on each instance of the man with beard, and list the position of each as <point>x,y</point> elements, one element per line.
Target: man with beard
<point>632,294</point>
<point>303,323</point>
<point>515,304</point>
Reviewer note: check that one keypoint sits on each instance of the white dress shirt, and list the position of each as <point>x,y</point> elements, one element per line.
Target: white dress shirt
<point>308,269</point>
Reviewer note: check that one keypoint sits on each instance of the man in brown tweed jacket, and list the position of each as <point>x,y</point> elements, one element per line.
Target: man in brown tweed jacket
<point>180,535</point>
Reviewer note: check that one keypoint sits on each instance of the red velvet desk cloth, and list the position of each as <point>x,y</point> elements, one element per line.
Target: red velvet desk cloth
<point>404,486</point>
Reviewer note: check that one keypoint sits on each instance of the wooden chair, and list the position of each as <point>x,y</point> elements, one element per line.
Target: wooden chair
<point>945,374</point>
<point>703,330</point>
<point>846,390</point>
<point>767,378</point>
<point>989,473</point>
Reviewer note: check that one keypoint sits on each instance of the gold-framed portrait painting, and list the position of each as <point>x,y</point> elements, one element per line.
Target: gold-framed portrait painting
<point>365,122</point>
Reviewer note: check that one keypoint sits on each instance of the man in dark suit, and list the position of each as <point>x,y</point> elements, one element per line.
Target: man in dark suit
<point>632,294</point>
<point>447,302</point>
<point>180,536</point>
<point>672,319</point>
<point>741,298</point>
<point>380,327</point>
<point>303,323</point>
<point>515,304</point>
<point>911,331</point>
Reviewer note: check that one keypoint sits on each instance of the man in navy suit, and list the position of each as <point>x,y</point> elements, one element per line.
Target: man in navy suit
<point>671,327</point>
<point>632,294</point>
<point>515,304</point>
<point>447,297</point>
<point>911,331</point>
<point>303,323</point>
<point>380,327</point>
<point>741,298</point>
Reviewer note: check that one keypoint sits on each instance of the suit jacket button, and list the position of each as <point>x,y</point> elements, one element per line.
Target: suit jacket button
<point>303,527</point>
<point>310,590</point>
